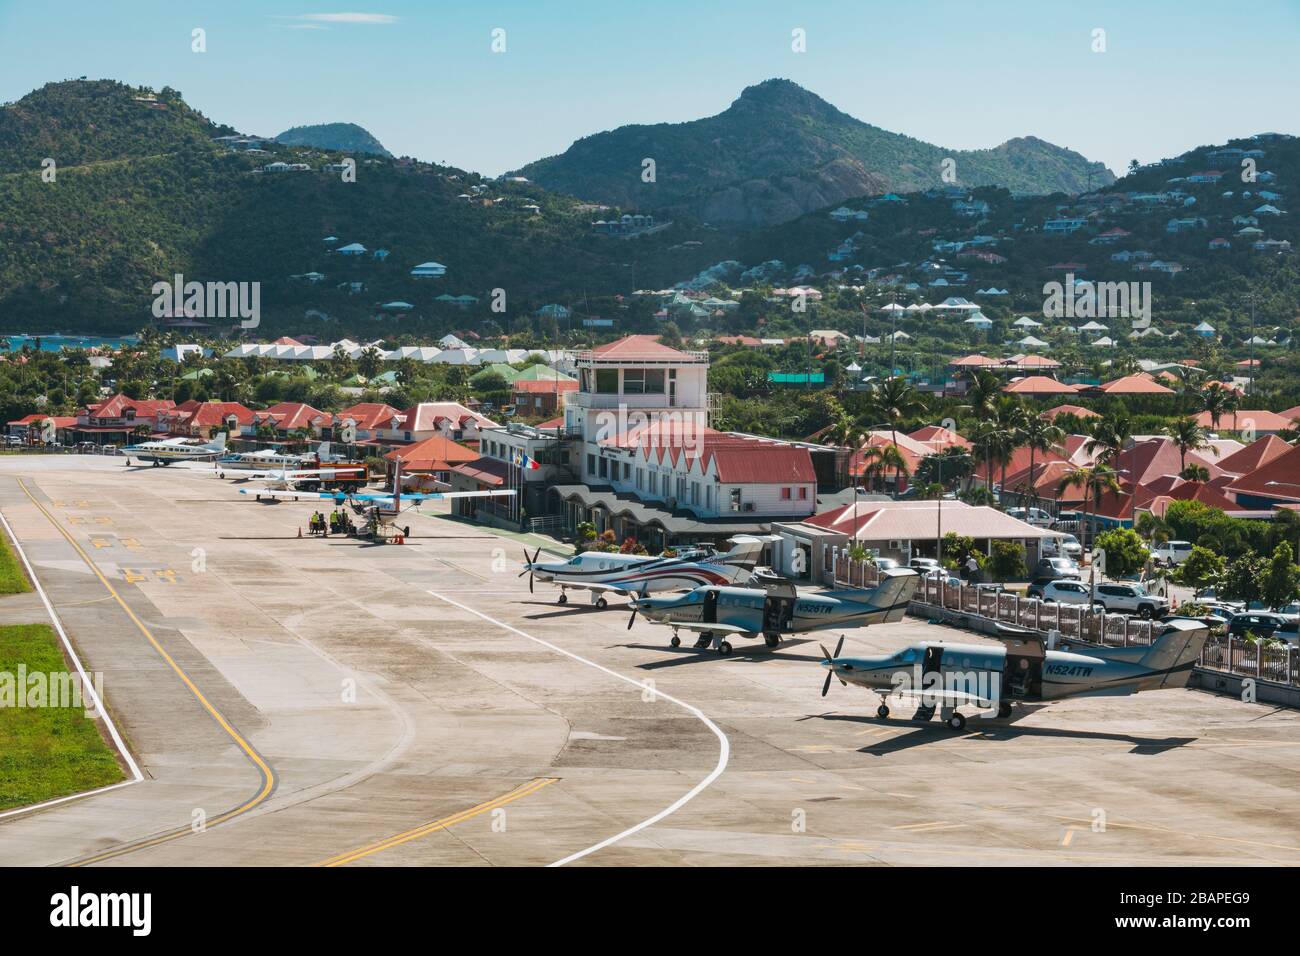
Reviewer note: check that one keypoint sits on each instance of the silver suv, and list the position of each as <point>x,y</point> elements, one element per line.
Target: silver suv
<point>1133,599</point>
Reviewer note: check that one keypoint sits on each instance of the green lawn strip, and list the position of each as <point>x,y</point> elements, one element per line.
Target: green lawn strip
<point>12,578</point>
<point>45,752</point>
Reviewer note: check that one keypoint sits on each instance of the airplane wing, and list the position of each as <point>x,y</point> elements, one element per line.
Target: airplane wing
<point>700,627</point>
<point>450,494</point>
<point>294,495</point>
<point>943,697</point>
<point>610,588</point>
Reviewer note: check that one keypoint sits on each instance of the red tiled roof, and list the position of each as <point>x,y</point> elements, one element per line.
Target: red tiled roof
<point>428,416</point>
<point>60,421</point>
<point>292,415</point>
<point>369,415</point>
<point>545,387</point>
<point>633,347</point>
<point>772,464</point>
<point>116,407</point>
<point>1139,384</point>
<point>433,454</point>
<point>1284,469</point>
<point>1076,410</point>
<point>486,471</point>
<point>204,414</point>
<point>1259,419</point>
<point>975,361</point>
<point>1254,456</point>
<point>939,436</point>
<point>1018,462</point>
<point>1039,385</point>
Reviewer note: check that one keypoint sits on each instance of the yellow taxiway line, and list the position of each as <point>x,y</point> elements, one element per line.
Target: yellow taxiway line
<point>425,829</point>
<point>268,775</point>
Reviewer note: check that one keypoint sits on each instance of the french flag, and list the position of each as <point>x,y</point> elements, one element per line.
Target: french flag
<point>523,461</point>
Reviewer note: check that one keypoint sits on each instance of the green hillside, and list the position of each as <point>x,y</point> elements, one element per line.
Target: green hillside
<point>336,137</point>
<point>779,151</point>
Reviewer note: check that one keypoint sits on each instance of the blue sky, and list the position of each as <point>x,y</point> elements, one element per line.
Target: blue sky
<point>421,75</point>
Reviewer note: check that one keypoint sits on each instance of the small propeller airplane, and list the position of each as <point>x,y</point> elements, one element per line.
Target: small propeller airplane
<point>776,608</point>
<point>267,458</point>
<point>168,450</point>
<point>289,479</point>
<point>603,573</point>
<point>1026,668</point>
<point>380,509</point>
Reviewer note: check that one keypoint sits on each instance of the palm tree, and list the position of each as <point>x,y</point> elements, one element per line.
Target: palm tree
<point>1040,434</point>
<point>985,438</point>
<point>878,460</point>
<point>1195,473</point>
<point>1188,436</point>
<point>895,401</point>
<point>1094,481</point>
<point>1010,418</point>
<point>1218,401</point>
<point>1109,438</point>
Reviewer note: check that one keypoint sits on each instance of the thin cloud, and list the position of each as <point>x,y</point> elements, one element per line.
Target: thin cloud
<point>348,17</point>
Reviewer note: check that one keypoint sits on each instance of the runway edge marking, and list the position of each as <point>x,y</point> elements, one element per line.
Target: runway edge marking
<point>87,684</point>
<point>268,775</point>
<point>724,748</point>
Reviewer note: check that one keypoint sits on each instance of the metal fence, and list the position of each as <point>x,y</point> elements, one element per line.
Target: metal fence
<point>1234,655</point>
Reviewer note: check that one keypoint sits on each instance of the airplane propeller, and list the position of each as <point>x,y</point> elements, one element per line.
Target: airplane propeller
<point>528,566</point>
<point>830,657</point>
<point>632,620</point>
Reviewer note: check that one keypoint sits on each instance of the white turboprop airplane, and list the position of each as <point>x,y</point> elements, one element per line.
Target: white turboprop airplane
<point>265,459</point>
<point>380,509</point>
<point>602,573</point>
<point>288,479</point>
<point>176,449</point>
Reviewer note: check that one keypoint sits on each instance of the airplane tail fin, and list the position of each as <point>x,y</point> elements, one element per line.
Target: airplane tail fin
<point>744,554</point>
<point>1175,652</point>
<point>892,595</point>
<point>218,443</point>
<point>323,451</point>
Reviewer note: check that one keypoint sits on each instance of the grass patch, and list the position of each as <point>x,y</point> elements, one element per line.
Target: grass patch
<point>12,579</point>
<point>45,752</point>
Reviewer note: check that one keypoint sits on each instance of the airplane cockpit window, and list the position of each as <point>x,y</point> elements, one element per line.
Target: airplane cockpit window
<point>907,656</point>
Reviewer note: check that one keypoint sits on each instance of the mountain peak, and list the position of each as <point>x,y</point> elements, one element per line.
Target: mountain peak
<point>782,94</point>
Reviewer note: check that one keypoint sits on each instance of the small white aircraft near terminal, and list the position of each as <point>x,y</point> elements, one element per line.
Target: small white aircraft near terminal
<point>948,676</point>
<point>265,459</point>
<point>603,573</point>
<point>289,479</point>
<point>776,608</point>
<point>168,450</point>
<point>380,509</point>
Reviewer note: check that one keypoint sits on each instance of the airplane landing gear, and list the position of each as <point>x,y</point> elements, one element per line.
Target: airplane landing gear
<point>1004,709</point>
<point>562,599</point>
<point>724,648</point>
<point>676,641</point>
<point>956,722</point>
<point>772,640</point>
<point>882,711</point>
<point>602,603</point>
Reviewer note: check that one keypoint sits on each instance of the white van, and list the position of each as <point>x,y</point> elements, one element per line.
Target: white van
<point>1172,553</point>
<point>1066,546</point>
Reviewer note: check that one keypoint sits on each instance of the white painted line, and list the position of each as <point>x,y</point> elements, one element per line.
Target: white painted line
<point>724,749</point>
<point>87,686</point>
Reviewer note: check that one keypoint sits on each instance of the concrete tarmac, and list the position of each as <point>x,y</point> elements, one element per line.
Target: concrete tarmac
<point>299,701</point>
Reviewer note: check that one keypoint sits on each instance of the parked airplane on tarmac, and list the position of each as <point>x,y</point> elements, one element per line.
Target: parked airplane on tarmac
<point>380,509</point>
<point>303,479</point>
<point>776,608</point>
<point>265,459</point>
<point>176,449</point>
<point>1027,669</point>
<point>601,572</point>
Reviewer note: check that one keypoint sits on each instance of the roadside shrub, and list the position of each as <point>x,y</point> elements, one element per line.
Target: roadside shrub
<point>1007,561</point>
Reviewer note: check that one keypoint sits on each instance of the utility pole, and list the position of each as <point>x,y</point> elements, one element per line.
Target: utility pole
<point>1251,298</point>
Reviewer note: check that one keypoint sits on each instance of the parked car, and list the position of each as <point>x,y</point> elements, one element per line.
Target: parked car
<point>886,564</point>
<point>1066,546</point>
<point>1054,568</point>
<point>923,564</point>
<point>1133,599</point>
<point>1172,553</point>
<point>1261,624</point>
<point>1065,591</point>
<point>1211,595</point>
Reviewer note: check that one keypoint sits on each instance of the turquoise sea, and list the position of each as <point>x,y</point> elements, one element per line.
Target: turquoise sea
<point>55,342</point>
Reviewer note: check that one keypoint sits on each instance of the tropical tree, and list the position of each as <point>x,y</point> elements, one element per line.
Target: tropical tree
<point>1187,436</point>
<point>1218,402</point>
<point>894,401</point>
<point>1010,418</point>
<point>1039,434</point>
<point>1094,481</point>
<point>1109,437</point>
